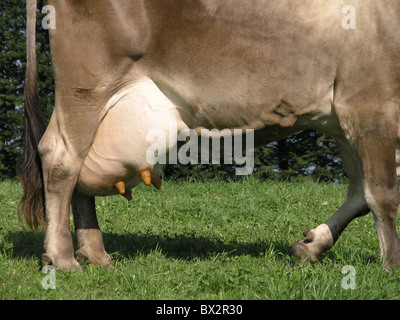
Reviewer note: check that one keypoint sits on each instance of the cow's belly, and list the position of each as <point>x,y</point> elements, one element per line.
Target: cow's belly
<point>142,112</point>
<point>119,151</point>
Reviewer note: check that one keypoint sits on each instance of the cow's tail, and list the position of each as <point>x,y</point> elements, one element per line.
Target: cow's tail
<point>29,170</point>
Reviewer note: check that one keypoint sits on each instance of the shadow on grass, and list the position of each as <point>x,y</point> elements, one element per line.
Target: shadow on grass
<point>29,244</point>
<point>22,244</point>
<point>186,247</point>
<point>26,244</point>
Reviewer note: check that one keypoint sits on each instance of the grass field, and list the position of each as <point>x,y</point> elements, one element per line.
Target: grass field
<point>213,240</point>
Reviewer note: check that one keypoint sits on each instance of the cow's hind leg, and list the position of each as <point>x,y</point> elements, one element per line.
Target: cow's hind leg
<point>324,236</point>
<point>60,172</point>
<point>62,154</point>
<point>89,238</point>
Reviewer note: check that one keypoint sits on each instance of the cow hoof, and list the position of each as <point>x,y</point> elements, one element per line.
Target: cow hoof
<point>392,264</point>
<point>317,241</point>
<point>102,259</point>
<point>61,264</point>
<point>302,252</point>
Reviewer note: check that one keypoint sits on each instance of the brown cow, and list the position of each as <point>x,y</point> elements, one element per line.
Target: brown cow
<point>276,67</point>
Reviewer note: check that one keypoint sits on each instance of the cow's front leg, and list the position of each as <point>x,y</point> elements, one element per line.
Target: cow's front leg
<point>323,237</point>
<point>377,148</point>
<point>89,238</point>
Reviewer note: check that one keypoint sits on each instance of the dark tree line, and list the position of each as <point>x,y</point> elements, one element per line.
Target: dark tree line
<point>12,75</point>
<point>308,153</point>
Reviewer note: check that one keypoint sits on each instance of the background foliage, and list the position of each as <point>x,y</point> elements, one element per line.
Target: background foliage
<point>307,153</point>
<point>12,66</point>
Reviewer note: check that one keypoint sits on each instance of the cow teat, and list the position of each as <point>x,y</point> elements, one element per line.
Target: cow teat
<point>149,177</point>
<point>122,190</point>
<point>156,180</point>
<point>145,175</point>
<point>120,187</point>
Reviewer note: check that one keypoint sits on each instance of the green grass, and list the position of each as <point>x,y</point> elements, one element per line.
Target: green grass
<point>212,240</point>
